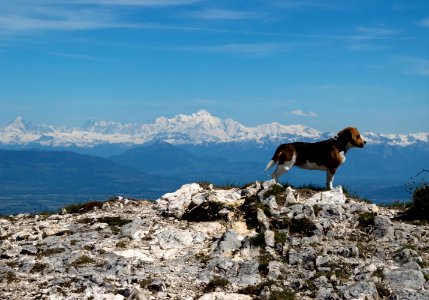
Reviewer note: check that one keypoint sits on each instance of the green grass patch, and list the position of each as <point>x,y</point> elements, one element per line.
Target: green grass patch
<point>81,208</point>
<point>280,237</point>
<point>250,207</point>
<point>225,186</point>
<point>303,226</point>
<point>216,282</point>
<point>83,261</point>
<point>264,262</point>
<point>115,223</point>
<point>255,290</point>
<point>49,252</point>
<point>282,295</point>
<point>274,190</point>
<point>258,240</point>
<point>366,219</point>
<point>38,267</point>
<point>311,187</point>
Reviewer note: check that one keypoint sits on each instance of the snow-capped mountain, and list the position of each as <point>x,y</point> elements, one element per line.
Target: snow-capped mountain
<point>198,128</point>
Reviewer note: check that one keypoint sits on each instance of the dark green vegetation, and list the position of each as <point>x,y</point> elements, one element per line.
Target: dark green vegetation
<point>275,190</point>
<point>303,226</point>
<point>282,295</point>
<point>258,240</point>
<point>420,204</point>
<point>250,208</point>
<point>115,223</point>
<point>83,207</point>
<point>206,212</point>
<point>50,252</point>
<point>366,219</point>
<point>418,209</point>
<point>264,262</point>
<point>83,261</point>
<point>38,267</point>
<point>216,282</point>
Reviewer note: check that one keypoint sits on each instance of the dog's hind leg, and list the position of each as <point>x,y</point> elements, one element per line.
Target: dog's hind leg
<point>283,167</point>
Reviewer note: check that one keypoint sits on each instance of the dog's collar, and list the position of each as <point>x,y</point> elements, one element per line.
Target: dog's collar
<point>341,145</point>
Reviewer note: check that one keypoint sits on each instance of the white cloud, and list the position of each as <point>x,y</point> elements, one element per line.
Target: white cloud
<point>421,67</point>
<point>222,14</point>
<point>134,2</point>
<point>26,15</point>
<point>300,113</point>
<point>413,65</point>
<point>376,31</point>
<point>365,47</point>
<point>252,49</point>
<point>424,22</point>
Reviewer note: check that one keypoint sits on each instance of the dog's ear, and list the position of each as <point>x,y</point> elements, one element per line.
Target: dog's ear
<point>345,135</point>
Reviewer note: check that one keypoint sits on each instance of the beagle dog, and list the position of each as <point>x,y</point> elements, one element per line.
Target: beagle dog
<point>325,155</point>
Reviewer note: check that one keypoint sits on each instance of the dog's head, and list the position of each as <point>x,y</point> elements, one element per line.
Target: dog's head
<point>351,137</point>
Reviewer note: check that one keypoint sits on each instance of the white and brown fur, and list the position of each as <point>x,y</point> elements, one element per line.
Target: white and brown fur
<point>325,155</point>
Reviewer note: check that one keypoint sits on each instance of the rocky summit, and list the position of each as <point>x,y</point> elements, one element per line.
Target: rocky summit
<point>262,241</point>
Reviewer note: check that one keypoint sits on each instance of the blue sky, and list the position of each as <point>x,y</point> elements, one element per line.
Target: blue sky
<point>326,64</point>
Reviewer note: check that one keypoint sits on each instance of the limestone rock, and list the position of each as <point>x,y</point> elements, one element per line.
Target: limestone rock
<point>202,242</point>
<point>224,296</point>
<point>408,279</point>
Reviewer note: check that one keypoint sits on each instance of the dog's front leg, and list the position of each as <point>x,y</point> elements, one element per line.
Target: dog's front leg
<point>330,178</point>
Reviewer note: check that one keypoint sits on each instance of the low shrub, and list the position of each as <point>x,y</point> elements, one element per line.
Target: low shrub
<point>83,261</point>
<point>114,223</point>
<point>81,208</point>
<point>49,252</point>
<point>216,282</point>
<point>206,212</point>
<point>264,262</point>
<point>38,267</point>
<point>366,219</point>
<point>274,190</point>
<point>420,205</point>
<point>250,207</point>
<point>282,295</point>
<point>303,226</point>
<point>258,240</point>
<point>256,289</point>
<point>280,237</point>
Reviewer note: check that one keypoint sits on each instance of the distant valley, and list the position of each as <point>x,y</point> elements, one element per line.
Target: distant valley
<point>34,181</point>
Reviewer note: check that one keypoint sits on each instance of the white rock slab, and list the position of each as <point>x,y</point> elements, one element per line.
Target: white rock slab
<point>132,253</point>
<point>334,196</point>
<point>224,296</point>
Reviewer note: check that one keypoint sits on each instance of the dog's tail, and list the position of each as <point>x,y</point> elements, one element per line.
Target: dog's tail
<point>270,164</point>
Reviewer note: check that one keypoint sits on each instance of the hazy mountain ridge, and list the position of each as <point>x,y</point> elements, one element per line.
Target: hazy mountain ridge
<point>32,180</point>
<point>198,128</point>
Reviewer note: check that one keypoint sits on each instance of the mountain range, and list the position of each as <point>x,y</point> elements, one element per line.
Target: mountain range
<point>44,166</point>
<point>198,128</point>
